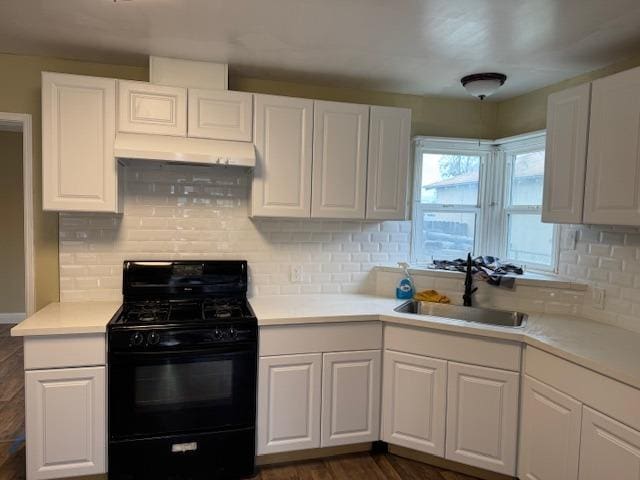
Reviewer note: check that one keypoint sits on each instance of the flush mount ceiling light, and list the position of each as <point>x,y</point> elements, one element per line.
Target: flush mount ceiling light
<point>482,85</point>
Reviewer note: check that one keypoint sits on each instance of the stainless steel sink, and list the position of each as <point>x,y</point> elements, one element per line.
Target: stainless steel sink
<point>488,316</point>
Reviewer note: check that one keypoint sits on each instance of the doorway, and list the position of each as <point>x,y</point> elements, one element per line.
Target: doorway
<point>17,290</point>
<point>17,283</point>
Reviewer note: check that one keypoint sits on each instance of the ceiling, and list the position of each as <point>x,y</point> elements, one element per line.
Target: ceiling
<point>409,46</point>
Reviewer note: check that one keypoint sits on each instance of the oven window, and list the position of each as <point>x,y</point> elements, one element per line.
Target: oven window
<point>184,384</point>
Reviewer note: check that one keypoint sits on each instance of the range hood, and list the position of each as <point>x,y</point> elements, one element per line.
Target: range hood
<point>184,150</point>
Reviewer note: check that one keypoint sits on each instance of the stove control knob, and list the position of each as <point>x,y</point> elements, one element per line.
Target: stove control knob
<point>218,333</point>
<point>233,333</point>
<point>153,338</point>
<point>137,339</point>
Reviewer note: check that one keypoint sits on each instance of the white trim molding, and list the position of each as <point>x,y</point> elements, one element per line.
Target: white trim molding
<point>22,122</point>
<point>12,317</point>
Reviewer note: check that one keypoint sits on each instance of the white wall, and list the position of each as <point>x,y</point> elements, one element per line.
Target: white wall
<point>182,211</point>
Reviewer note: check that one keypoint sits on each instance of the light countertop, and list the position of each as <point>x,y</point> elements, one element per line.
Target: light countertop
<point>603,348</point>
<point>68,318</point>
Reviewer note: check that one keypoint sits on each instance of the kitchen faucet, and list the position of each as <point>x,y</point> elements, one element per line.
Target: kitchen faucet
<point>469,289</point>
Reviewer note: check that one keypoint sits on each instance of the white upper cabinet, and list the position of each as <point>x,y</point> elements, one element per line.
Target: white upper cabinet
<point>549,433</point>
<point>387,177</point>
<point>340,141</point>
<point>608,449</point>
<point>350,398</point>
<point>612,193</point>
<point>65,422</point>
<point>220,115</point>
<point>289,399</point>
<point>283,129</point>
<point>78,129</point>
<point>414,398</point>
<point>566,154</point>
<point>155,109</point>
<point>482,417</point>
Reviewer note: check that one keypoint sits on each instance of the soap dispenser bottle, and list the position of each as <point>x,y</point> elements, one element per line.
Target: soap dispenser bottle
<point>405,289</point>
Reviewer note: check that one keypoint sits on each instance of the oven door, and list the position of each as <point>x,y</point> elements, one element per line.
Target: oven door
<point>163,393</point>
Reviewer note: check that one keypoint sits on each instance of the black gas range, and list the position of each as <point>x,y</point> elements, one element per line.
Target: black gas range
<point>182,372</point>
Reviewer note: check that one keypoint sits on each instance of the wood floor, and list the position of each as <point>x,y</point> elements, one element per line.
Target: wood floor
<point>12,458</point>
<point>362,466</point>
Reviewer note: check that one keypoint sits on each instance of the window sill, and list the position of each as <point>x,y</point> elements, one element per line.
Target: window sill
<point>530,279</point>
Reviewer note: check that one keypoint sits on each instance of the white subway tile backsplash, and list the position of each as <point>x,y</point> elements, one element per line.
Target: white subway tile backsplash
<point>617,271</point>
<point>192,212</point>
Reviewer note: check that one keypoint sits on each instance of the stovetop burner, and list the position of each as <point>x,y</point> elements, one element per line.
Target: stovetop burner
<point>161,312</point>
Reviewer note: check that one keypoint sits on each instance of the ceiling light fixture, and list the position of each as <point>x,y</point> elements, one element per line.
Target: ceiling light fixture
<point>482,85</point>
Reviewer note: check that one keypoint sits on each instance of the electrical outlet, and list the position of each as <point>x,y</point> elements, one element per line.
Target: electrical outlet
<point>296,273</point>
<point>597,297</point>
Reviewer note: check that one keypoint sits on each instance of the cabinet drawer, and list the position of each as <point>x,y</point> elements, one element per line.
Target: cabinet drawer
<point>57,351</point>
<point>456,347</point>
<point>312,338</point>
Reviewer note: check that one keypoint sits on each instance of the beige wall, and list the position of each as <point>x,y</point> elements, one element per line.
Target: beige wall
<point>443,117</point>
<point>20,93</point>
<point>528,112</point>
<point>11,213</point>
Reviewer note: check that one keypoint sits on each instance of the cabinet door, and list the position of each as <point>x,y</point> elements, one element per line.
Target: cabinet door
<point>79,171</point>
<point>65,422</point>
<point>156,109</point>
<point>566,155</point>
<point>482,417</point>
<point>608,448</point>
<point>283,129</point>
<point>414,392</point>
<point>220,114</point>
<point>350,398</point>
<point>550,433</point>
<point>612,193</point>
<point>289,402</point>
<point>340,141</point>
<point>388,168</point>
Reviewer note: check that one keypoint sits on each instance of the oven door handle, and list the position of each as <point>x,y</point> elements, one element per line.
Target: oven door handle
<point>128,357</point>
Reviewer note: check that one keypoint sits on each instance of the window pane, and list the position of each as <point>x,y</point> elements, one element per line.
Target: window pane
<point>447,235</point>
<point>530,240</point>
<point>527,178</point>
<point>450,179</point>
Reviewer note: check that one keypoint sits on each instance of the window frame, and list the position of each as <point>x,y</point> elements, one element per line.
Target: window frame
<point>509,149</point>
<point>450,146</point>
<point>494,193</point>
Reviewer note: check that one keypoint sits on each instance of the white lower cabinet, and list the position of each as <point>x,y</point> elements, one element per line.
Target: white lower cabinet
<point>65,422</point>
<point>350,397</point>
<point>414,402</point>
<point>289,402</point>
<point>608,448</point>
<point>550,433</point>
<point>482,417</point>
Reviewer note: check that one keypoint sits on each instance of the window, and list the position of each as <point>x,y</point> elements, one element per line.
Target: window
<point>482,198</point>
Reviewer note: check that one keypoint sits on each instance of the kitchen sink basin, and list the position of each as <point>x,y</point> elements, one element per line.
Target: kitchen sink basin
<point>488,316</point>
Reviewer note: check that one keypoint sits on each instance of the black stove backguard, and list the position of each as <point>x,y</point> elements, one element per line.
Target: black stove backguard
<point>152,280</point>
<point>183,354</point>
